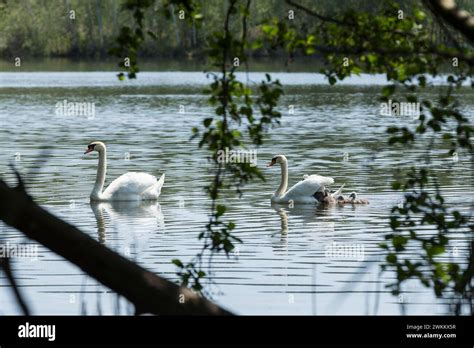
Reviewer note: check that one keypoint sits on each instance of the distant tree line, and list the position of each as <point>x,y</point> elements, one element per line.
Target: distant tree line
<point>87,28</point>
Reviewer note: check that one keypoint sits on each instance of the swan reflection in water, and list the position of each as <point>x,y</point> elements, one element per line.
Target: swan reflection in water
<point>135,221</point>
<point>315,218</point>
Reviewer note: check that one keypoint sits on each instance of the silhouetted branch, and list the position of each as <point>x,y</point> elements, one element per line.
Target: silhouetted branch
<point>20,185</point>
<point>148,292</point>
<point>314,14</point>
<point>442,24</point>
<point>461,20</point>
<point>5,265</point>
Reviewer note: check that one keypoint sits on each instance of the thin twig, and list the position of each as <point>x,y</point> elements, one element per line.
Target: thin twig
<point>5,265</point>
<point>315,14</point>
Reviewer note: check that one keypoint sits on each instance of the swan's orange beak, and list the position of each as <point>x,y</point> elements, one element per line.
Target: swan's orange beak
<point>269,164</point>
<point>88,150</point>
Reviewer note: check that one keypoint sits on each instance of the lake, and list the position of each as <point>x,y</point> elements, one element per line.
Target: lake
<point>287,263</point>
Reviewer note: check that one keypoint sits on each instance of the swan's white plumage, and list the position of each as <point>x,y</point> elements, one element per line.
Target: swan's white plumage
<point>131,186</point>
<point>338,192</point>
<point>303,191</point>
<point>134,186</point>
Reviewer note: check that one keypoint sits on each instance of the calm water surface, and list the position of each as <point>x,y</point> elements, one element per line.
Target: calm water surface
<point>285,265</point>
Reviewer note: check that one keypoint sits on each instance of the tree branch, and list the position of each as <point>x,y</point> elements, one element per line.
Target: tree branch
<point>457,18</point>
<point>395,52</point>
<point>314,14</point>
<point>442,24</point>
<point>5,265</point>
<point>148,292</point>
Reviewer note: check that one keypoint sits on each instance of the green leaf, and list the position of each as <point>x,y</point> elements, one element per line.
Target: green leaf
<point>391,258</point>
<point>177,263</point>
<point>310,50</point>
<point>372,58</point>
<point>387,91</point>
<point>419,15</point>
<point>207,122</point>
<point>220,209</point>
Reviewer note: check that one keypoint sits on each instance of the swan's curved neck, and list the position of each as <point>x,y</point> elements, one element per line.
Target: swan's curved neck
<point>284,179</point>
<point>100,178</point>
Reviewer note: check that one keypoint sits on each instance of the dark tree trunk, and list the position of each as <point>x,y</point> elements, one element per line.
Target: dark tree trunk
<point>148,292</point>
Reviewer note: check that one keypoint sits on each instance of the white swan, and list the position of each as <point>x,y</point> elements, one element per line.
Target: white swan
<point>128,187</point>
<point>308,191</point>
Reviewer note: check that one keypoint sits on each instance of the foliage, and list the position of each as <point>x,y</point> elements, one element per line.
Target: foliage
<point>44,28</point>
<point>236,106</point>
<point>397,41</point>
<point>401,47</point>
<point>233,102</point>
<point>130,40</point>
